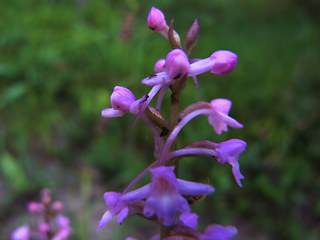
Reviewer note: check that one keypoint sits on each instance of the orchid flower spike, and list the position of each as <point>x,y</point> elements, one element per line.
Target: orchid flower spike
<point>219,118</point>
<point>219,63</point>
<point>122,101</point>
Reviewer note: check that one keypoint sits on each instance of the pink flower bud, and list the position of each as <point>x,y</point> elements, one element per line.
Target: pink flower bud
<point>159,65</point>
<point>34,207</point>
<point>121,99</point>
<point>156,20</point>
<point>177,63</point>
<point>224,62</point>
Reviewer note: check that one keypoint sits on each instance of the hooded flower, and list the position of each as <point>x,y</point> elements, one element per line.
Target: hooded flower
<point>122,101</point>
<point>219,118</point>
<point>164,195</point>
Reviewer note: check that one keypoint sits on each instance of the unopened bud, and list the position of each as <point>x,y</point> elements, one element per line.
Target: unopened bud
<point>156,20</point>
<point>224,62</point>
<point>192,36</point>
<point>159,65</point>
<point>121,99</point>
<point>177,63</point>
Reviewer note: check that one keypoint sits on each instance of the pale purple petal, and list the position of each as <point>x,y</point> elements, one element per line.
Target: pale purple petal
<point>137,194</point>
<point>160,78</point>
<point>107,216</point>
<point>122,215</point>
<point>194,188</point>
<point>110,113</point>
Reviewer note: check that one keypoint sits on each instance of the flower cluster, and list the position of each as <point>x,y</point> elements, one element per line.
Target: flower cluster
<point>166,199</point>
<point>52,226</point>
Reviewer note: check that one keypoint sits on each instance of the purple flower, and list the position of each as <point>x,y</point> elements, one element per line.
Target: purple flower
<point>219,118</point>
<point>122,101</point>
<point>164,195</point>
<point>219,63</point>
<point>116,207</point>
<point>156,20</point>
<point>228,152</point>
<point>21,233</point>
<point>218,232</point>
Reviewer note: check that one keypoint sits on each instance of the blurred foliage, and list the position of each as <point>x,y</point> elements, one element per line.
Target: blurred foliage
<point>59,62</point>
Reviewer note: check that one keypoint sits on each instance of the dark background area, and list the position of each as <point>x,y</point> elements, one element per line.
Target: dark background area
<point>59,62</point>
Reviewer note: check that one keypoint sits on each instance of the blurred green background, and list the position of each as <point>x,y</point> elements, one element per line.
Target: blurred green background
<point>59,62</point>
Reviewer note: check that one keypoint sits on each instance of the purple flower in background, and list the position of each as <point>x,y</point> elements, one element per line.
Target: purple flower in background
<point>228,152</point>
<point>218,232</point>
<point>21,233</point>
<point>164,195</point>
<point>122,101</point>
<point>219,118</point>
<point>116,207</point>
